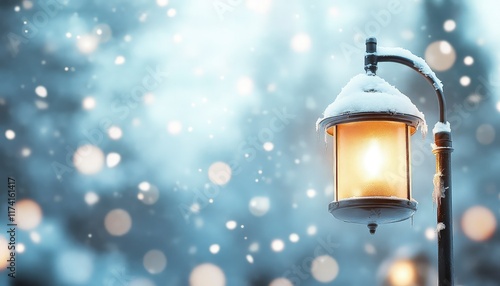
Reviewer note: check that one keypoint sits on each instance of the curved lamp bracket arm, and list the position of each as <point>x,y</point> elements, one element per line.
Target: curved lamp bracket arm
<point>401,56</point>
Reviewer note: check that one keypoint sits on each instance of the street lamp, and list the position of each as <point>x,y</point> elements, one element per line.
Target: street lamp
<point>371,123</point>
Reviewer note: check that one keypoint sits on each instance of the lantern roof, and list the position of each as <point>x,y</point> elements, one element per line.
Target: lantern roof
<point>371,94</point>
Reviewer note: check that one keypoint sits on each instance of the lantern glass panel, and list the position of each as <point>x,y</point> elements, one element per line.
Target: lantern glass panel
<point>372,159</point>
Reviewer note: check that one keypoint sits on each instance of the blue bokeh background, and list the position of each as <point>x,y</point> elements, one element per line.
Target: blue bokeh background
<point>191,83</point>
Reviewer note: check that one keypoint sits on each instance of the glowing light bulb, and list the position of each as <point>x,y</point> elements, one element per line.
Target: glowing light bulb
<point>373,160</point>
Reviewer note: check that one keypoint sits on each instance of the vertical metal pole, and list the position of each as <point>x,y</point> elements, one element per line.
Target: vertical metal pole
<point>443,151</point>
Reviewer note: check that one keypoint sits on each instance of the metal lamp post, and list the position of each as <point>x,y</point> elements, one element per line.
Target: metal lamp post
<point>372,152</point>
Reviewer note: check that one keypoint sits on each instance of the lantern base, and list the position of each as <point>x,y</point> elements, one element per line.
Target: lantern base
<point>373,211</point>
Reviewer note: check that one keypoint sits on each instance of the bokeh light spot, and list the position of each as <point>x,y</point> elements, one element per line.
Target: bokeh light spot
<point>91,198</point>
<point>277,245</point>
<point>294,237</point>
<point>88,103</point>
<point>41,91</point>
<point>10,134</point>
<point>244,85</point>
<point>219,173</point>
<point>324,268</point>
<point>479,223</point>
<point>214,248</point>
<point>449,25</point>
<point>87,44</point>
<point>231,224</point>
<point>485,134</point>
<point>281,282</point>
<point>118,222</point>
<point>154,261</point>
<point>28,214</point>
<point>468,60</point>
<point>402,273</point>
<point>113,159</point>
<point>301,43</point>
<point>88,159</point>
<point>268,146</point>
<point>259,206</point>
<point>174,127</point>
<point>207,274</point>
<point>465,80</point>
<point>440,55</point>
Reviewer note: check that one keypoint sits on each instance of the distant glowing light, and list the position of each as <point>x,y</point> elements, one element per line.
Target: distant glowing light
<point>254,247</point>
<point>259,6</point>
<point>440,55</point>
<point>214,248</point>
<point>311,230</point>
<point>281,282</point>
<point>119,60</point>
<point>25,152</point>
<point>91,198</point>
<point>174,127</point>
<point>86,44</point>
<point>162,3</point>
<point>28,214</point>
<point>311,193</point>
<point>88,103</point>
<point>41,91</point>
<point>171,12</point>
<point>149,98</point>
<point>113,159</point>
<point>465,80</point>
<point>324,268</point>
<point>115,132</point>
<point>485,134</point>
<point>244,85</point>
<point>370,249</point>
<point>207,274</point>
<point>449,25</point>
<point>154,261</point>
<point>219,173</point>
<point>259,206</point>
<point>144,186</point>
<point>118,222</point>
<point>27,4</point>
<point>88,159</point>
<point>10,134</point>
<point>479,223</point>
<point>430,233</point>
<point>468,60</point>
<point>149,196</point>
<point>268,146</point>
<point>4,255</point>
<point>301,43</point>
<point>402,273</point>
<point>249,258</point>
<point>35,237</point>
<point>231,224</point>
<point>294,237</point>
<point>20,248</point>
<point>177,38</point>
<point>498,106</point>
<point>277,245</point>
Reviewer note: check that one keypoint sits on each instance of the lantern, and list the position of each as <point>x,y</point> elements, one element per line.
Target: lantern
<point>371,123</point>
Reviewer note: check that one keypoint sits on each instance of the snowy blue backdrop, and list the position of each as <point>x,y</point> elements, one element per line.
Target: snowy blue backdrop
<point>168,142</point>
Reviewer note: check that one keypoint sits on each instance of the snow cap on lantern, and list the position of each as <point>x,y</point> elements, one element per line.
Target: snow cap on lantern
<point>371,123</point>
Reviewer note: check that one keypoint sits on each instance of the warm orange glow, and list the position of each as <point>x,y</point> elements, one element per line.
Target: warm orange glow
<point>371,159</point>
<point>402,273</point>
